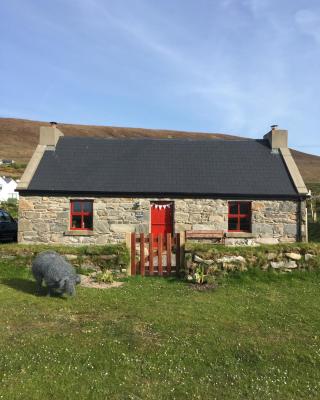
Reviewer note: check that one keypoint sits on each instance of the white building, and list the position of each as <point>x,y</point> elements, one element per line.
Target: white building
<point>7,162</point>
<point>7,189</point>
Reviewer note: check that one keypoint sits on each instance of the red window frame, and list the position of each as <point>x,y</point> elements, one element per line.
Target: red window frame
<point>239,216</point>
<point>81,213</point>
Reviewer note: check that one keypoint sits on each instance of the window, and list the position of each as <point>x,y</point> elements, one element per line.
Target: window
<point>81,215</point>
<point>4,217</point>
<point>239,217</point>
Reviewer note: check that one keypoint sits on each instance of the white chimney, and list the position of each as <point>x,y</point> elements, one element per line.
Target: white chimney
<point>278,138</point>
<point>49,135</point>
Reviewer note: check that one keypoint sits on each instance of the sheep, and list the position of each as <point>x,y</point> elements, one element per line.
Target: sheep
<point>59,275</point>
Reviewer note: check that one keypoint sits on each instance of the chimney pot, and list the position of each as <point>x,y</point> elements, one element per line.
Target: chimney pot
<point>54,124</point>
<point>274,126</point>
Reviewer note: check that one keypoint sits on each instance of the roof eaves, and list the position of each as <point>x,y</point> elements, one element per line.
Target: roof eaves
<point>233,196</point>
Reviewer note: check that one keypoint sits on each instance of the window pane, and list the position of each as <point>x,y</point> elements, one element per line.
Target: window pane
<point>245,224</point>
<point>232,224</point>
<point>244,208</point>
<point>233,208</point>
<point>87,206</point>
<point>77,206</point>
<point>76,221</point>
<point>4,217</point>
<point>87,221</point>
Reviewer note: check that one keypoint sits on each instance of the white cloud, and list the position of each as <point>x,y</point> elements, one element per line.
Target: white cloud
<point>231,66</point>
<point>241,100</point>
<point>308,22</point>
<point>257,7</point>
<point>227,3</point>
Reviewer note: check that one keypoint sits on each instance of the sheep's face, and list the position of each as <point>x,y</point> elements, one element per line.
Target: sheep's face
<point>69,287</point>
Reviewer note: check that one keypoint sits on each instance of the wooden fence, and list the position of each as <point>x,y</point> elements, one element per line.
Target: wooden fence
<point>156,255</point>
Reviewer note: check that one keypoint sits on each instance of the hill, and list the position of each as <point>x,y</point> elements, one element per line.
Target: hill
<point>19,138</point>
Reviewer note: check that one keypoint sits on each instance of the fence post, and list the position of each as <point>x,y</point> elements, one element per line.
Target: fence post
<point>151,271</point>
<point>182,250</point>
<point>133,254</point>
<point>142,264</point>
<point>160,255</point>
<point>306,225</point>
<point>178,257</point>
<point>128,244</point>
<point>169,249</point>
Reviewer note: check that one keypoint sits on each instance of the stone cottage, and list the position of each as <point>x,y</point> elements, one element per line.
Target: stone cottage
<point>82,190</point>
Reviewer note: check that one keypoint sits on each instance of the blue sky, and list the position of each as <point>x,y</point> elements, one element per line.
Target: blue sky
<point>230,66</point>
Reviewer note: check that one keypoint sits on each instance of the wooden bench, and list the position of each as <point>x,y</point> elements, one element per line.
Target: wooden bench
<point>218,236</point>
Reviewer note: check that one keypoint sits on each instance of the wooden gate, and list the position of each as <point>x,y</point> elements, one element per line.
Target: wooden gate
<point>164,258</point>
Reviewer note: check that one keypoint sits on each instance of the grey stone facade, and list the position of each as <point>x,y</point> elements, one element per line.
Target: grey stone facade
<point>47,219</point>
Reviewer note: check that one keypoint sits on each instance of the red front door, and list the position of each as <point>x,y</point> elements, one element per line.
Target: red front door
<point>161,218</point>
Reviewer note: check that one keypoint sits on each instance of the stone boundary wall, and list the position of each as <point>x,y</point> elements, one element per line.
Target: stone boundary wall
<point>114,257</point>
<point>275,258</point>
<point>44,219</point>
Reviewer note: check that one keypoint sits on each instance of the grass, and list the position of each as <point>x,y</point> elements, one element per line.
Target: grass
<point>15,171</point>
<point>247,251</point>
<point>256,337</point>
<point>314,231</point>
<point>314,227</point>
<point>11,206</point>
<point>314,187</point>
<point>27,249</point>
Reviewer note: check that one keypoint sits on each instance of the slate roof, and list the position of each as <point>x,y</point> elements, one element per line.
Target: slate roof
<point>163,167</point>
<point>6,179</point>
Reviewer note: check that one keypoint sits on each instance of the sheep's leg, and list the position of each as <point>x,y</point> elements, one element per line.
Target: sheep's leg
<point>62,284</point>
<point>38,284</point>
<point>50,291</point>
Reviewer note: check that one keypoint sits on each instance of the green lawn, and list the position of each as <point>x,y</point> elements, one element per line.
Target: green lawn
<point>256,337</point>
<point>314,231</point>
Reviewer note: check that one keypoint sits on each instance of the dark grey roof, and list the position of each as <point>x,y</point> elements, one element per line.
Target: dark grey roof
<point>163,166</point>
<point>6,179</point>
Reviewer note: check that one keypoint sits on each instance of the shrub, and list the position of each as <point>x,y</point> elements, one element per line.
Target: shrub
<point>202,274</point>
<point>11,206</point>
<point>104,277</point>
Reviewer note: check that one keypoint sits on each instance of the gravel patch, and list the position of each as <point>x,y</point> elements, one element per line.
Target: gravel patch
<point>88,282</point>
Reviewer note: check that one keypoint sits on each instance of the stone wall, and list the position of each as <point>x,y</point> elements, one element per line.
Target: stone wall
<point>218,261</point>
<point>47,219</point>
<point>276,219</point>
